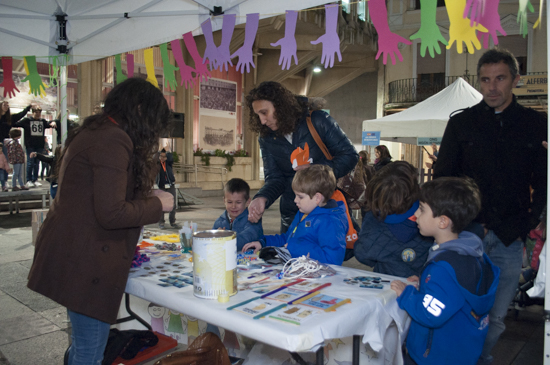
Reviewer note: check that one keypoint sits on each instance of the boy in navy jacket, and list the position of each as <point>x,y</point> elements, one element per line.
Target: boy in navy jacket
<point>450,309</point>
<point>319,229</point>
<point>236,199</point>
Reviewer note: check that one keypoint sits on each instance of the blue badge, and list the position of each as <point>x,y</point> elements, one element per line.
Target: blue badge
<point>308,224</point>
<point>408,255</point>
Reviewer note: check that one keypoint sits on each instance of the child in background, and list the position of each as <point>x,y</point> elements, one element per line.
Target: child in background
<point>450,309</point>
<point>4,169</point>
<point>16,157</point>
<point>52,172</point>
<point>319,229</point>
<point>389,240</point>
<point>235,218</point>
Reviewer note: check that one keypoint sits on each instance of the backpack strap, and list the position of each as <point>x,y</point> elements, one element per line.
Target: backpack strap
<point>318,139</point>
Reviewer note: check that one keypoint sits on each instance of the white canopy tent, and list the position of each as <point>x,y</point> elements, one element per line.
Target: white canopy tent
<point>88,30</point>
<point>428,118</point>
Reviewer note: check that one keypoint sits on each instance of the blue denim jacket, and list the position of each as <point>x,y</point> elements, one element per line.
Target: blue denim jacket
<point>246,231</point>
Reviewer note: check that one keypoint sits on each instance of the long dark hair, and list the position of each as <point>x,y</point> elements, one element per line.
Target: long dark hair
<point>7,113</point>
<point>142,112</point>
<point>384,152</point>
<point>289,108</point>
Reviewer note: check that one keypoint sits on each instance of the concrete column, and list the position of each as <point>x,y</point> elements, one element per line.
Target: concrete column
<point>250,139</point>
<point>90,83</point>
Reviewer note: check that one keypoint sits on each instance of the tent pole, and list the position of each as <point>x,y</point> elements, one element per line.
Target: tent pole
<point>63,102</point>
<point>547,268</point>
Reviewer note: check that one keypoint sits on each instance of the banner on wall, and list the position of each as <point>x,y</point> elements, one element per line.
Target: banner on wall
<point>532,85</point>
<point>218,115</point>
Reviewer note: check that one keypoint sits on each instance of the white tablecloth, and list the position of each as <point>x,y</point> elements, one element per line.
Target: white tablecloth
<point>369,314</point>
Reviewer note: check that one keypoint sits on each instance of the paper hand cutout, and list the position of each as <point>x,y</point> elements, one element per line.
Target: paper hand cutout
<point>474,8</point>
<point>245,52</point>
<point>537,23</point>
<point>460,29</point>
<point>288,43</point>
<point>300,156</point>
<point>387,41</point>
<point>37,86</point>
<point>211,51</point>
<point>330,40</point>
<point>429,32</point>
<point>120,77</point>
<point>7,83</point>
<point>522,15</point>
<point>168,68</point>
<point>186,72</point>
<point>201,68</point>
<point>224,55</point>
<point>150,66</point>
<point>130,64</point>
<point>490,20</point>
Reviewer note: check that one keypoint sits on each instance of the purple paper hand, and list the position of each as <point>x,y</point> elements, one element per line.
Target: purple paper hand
<point>211,51</point>
<point>201,68</point>
<point>330,40</point>
<point>185,71</point>
<point>288,43</point>
<point>387,41</point>
<point>8,84</point>
<point>224,55</point>
<point>477,8</point>
<point>245,52</point>
<point>490,20</point>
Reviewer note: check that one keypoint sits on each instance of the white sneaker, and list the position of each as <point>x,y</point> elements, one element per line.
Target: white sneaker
<point>29,184</point>
<point>37,183</point>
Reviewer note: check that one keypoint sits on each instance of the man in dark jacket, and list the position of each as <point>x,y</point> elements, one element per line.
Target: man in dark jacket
<point>498,143</point>
<point>34,128</point>
<point>167,182</point>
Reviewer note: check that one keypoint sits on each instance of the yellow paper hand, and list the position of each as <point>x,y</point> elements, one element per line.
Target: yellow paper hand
<point>150,66</point>
<point>537,23</point>
<point>460,29</point>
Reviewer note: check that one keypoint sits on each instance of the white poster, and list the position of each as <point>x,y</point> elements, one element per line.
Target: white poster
<point>218,115</point>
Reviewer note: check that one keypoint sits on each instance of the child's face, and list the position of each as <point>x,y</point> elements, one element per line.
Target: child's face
<point>427,224</point>
<point>306,204</point>
<point>235,204</point>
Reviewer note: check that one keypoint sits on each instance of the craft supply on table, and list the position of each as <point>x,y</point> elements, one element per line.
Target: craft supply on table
<point>367,282</point>
<point>304,267</point>
<point>172,238</point>
<point>139,258</point>
<point>186,236</point>
<point>215,263</point>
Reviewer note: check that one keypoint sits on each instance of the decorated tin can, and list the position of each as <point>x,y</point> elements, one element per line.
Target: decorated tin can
<point>214,263</point>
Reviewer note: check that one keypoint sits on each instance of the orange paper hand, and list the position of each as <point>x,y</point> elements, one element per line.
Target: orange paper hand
<point>300,157</point>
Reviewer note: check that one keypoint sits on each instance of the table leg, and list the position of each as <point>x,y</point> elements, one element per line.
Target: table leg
<point>356,349</point>
<point>11,206</point>
<point>320,356</point>
<point>43,201</point>
<point>17,205</point>
<point>132,315</point>
<point>298,358</point>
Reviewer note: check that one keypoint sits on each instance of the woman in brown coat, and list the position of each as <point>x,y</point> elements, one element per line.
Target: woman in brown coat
<point>85,246</point>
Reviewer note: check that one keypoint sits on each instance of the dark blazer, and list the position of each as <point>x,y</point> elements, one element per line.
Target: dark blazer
<point>503,153</point>
<point>85,246</point>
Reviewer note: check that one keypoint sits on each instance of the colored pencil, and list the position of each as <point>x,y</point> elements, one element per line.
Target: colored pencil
<point>242,303</point>
<point>321,287</point>
<point>282,287</point>
<point>270,311</point>
<point>304,297</point>
<point>333,308</point>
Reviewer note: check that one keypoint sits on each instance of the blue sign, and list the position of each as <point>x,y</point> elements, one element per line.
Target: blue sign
<point>371,138</point>
<point>427,141</point>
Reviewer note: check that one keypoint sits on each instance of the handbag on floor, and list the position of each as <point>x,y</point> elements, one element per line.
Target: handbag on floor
<point>207,349</point>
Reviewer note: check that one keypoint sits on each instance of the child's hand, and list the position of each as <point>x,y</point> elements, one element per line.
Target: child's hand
<point>398,286</point>
<point>32,155</point>
<point>414,279</point>
<point>256,245</point>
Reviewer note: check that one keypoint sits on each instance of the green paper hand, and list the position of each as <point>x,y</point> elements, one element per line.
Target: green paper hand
<point>460,29</point>
<point>120,77</point>
<point>37,86</point>
<point>429,32</point>
<point>169,69</point>
<point>522,15</point>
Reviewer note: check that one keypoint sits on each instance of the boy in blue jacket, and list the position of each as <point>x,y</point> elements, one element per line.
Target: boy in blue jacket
<point>450,309</point>
<point>319,229</point>
<point>236,199</point>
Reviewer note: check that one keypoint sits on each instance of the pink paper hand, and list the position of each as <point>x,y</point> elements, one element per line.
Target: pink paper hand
<point>474,8</point>
<point>389,45</point>
<point>211,51</point>
<point>330,40</point>
<point>8,84</point>
<point>490,20</point>
<point>245,52</point>
<point>185,71</point>
<point>201,68</point>
<point>288,43</point>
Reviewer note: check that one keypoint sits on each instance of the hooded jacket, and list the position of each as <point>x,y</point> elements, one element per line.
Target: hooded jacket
<point>450,310</point>
<point>503,153</point>
<point>322,234</point>
<point>276,151</point>
<point>394,246</point>
<point>246,231</point>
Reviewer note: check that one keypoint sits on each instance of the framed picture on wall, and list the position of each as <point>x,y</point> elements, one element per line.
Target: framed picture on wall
<point>218,115</point>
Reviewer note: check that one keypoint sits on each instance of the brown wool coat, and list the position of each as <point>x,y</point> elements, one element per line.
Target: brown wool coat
<point>85,246</point>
